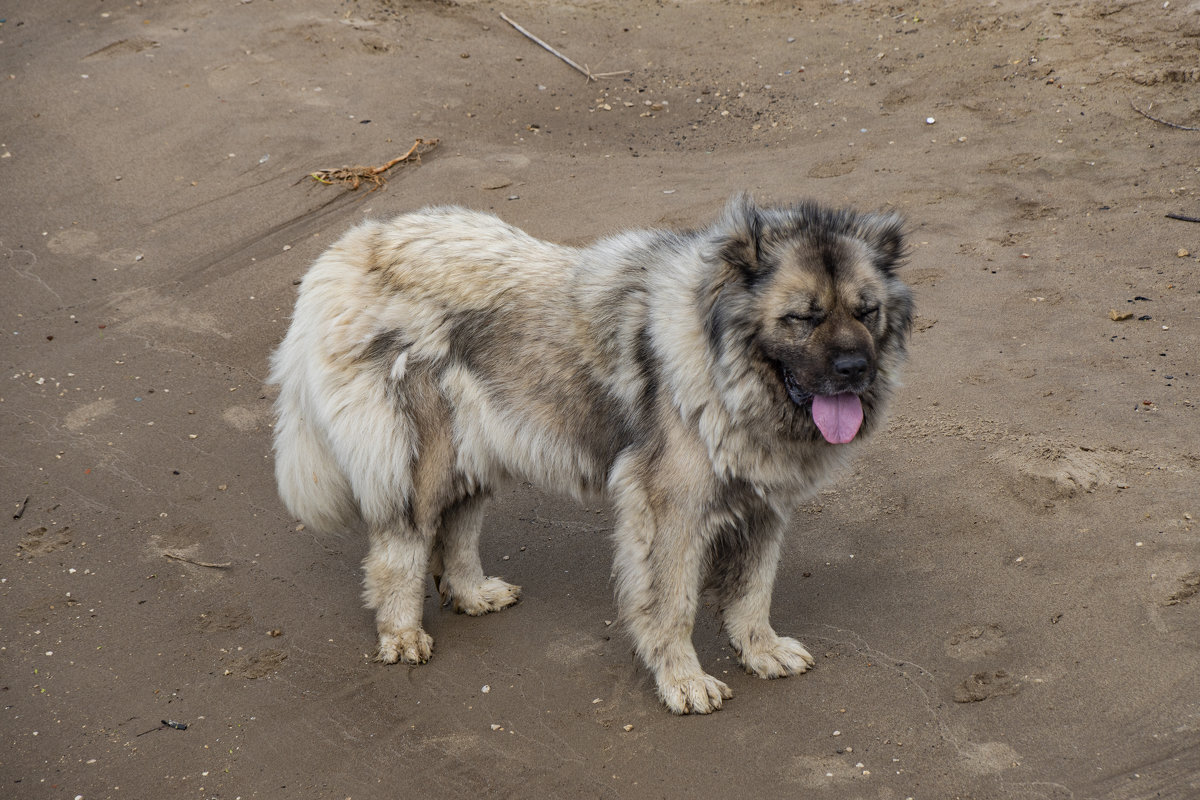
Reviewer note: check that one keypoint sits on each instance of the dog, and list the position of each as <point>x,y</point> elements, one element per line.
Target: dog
<point>706,382</point>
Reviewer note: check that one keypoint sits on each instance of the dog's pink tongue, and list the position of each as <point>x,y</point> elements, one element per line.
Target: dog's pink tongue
<point>838,417</point>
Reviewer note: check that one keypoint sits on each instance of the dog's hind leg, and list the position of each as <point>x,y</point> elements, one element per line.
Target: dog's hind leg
<point>744,575</point>
<point>405,481</point>
<point>394,587</point>
<point>460,574</point>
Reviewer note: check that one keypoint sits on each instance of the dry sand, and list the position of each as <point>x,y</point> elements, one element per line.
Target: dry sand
<point>999,593</point>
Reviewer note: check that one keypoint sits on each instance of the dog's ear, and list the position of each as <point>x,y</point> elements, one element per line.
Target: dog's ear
<point>738,235</point>
<point>885,232</point>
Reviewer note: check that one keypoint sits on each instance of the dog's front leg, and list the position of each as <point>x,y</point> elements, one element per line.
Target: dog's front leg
<point>744,577</point>
<point>659,565</point>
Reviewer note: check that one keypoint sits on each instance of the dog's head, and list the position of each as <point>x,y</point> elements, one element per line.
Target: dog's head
<point>821,305</point>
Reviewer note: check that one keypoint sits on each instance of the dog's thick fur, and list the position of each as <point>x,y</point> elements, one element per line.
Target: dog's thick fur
<point>433,356</point>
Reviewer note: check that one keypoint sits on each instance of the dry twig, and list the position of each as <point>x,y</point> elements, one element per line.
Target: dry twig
<point>209,564</point>
<point>1169,124</point>
<point>1183,218</point>
<point>591,76</point>
<point>356,176</point>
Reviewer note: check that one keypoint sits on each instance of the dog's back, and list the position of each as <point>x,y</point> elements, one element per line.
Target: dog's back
<point>450,322</point>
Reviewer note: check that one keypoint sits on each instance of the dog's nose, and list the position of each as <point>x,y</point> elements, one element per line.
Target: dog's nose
<point>851,367</point>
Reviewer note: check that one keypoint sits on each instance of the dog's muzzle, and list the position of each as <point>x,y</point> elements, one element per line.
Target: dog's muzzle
<point>837,416</point>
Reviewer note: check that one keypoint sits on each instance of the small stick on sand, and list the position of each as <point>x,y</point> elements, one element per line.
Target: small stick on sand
<point>208,564</point>
<point>1182,218</point>
<point>591,76</point>
<point>1175,125</point>
<point>355,176</point>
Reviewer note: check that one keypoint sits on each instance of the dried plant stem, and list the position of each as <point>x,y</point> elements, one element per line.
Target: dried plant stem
<point>356,176</point>
<point>1169,124</point>
<point>209,564</point>
<point>591,76</point>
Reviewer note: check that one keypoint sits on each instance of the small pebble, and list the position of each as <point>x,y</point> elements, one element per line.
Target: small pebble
<point>628,728</point>
<point>485,689</point>
<point>930,120</point>
<point>1183,253</point>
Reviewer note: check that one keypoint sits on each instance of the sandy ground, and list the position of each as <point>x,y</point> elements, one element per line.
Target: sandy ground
<point>1000,593</point>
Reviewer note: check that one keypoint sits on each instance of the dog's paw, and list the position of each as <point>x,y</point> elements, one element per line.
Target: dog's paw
<point>411,646</point>
<point>776,657</point>
<point>694,694</point>
<point>491,595</point>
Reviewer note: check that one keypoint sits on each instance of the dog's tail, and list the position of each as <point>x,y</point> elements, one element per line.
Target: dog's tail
<point>311,483</point>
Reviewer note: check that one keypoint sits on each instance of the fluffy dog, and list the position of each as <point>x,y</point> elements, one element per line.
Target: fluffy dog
<point>706,382</point>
